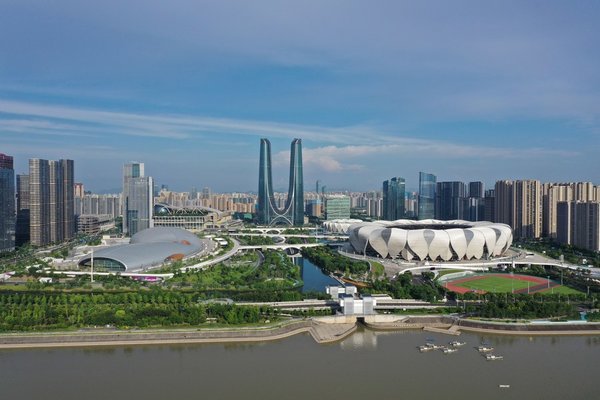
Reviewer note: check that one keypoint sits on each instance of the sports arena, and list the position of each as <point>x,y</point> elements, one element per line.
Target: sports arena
<point>431,240</point>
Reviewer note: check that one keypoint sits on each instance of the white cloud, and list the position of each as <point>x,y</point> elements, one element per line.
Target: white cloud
<point>350,158</point>
<point>63,120</point>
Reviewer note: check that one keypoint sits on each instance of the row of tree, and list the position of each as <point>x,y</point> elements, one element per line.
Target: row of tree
<point>404,287</point>
<point>37,311</point>
<point>525,309</point>
<point>331,262</point>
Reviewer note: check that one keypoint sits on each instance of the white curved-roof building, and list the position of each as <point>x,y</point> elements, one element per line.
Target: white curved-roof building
<point>148,248</point>
<point>340,225</point>
<point>430,239</point>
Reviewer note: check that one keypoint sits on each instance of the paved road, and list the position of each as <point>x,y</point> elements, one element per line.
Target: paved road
<point>223,257</point>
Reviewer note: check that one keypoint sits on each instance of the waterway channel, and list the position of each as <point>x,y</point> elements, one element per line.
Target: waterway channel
<point>314,279</point>
<point>366,365</point>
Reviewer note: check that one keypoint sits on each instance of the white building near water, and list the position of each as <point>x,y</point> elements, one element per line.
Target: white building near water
<point>430,239</point>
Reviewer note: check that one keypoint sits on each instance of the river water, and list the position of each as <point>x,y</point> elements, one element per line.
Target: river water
<point>314,279</point>
<point>366,365</point>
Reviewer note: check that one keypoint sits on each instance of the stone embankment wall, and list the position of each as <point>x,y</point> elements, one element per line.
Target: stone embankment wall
<point>150,337</point>
<point>515,327</point>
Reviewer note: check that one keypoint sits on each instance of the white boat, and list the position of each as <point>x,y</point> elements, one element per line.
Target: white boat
<point>485,349</point>
<point>449,350</point>
<point>504,386</point>
<point>423,349</point>
<point>457,344</point>
<point>492,357</point>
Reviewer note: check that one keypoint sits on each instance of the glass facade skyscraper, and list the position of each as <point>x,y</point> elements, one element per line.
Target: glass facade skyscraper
<point>22,228</point>
<point>426,196</point>
<point>7,203</point>
<point>337,207</point>
<point>449,199</point>
<point>138,199</point>
<point>393,199</point>
<point>292,212</point>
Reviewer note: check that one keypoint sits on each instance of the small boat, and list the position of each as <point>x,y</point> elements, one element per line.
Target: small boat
<point>457,344</point>
<point>485,349</point>
<point>423,349</point>
<point>504,386</point>
<point>492,357</point>
<point>449,350</point>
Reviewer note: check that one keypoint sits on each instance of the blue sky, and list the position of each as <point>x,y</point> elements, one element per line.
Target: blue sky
<point>467,90</point>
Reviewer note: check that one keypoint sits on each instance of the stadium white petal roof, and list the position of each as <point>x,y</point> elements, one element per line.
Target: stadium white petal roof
<point>426,239</point>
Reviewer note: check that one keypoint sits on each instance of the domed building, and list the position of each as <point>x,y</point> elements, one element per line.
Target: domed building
<point>147,249</point>
<point>430,239</point>
<point>340,225</point>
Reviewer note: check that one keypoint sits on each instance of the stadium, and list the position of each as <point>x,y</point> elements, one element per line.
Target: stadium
<point>340,225</point>
<point>148,248</point>
<point>430,240</point>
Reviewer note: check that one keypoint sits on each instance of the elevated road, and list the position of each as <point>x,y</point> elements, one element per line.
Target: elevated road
<point>382,304</point>
<point>282,246</point>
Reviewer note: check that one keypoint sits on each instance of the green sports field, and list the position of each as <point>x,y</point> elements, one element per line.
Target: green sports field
<point>495,284</point>
<point>507,283</point>
<point>562,290</point>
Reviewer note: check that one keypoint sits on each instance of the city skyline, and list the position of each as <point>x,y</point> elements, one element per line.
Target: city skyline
<point>379,91</point>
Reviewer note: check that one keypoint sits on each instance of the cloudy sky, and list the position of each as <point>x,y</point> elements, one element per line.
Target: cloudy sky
<point>467,90</point>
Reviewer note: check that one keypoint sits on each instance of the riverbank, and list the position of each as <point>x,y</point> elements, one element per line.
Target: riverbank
<point>454,325</point>
<point>321,332</point>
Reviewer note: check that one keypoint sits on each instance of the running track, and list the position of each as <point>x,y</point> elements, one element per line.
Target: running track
<point>540,283</point>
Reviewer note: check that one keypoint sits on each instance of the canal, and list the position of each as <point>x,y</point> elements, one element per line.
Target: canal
<point>314,279</point>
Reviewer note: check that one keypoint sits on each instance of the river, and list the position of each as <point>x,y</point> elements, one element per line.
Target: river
<point>314,279</point>
<point>366,365</point>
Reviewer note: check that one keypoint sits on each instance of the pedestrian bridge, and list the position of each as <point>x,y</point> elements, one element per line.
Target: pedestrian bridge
<point>282,246</point>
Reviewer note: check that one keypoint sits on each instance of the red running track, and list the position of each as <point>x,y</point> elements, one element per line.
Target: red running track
<point>452,285</point>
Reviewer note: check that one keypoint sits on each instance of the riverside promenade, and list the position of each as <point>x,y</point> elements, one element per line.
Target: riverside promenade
<point>321,331</point>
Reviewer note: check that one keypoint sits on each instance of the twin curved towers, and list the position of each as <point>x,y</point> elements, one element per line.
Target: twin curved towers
<point>292,212</point>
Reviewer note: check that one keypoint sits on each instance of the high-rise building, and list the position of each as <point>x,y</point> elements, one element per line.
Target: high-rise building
<point>394,199</point>
<point>473,209</point>
<point>578,224</point>
<point>503,196</point>
<point>563,222</point>
<point>7,203</point>
<point>476,189</point>
<point>193,195</point>
<point>99,204</point>
<point>528,209</point>
<point>584,191</point>
<point>138,202</point>
<point>292,212</point>
<point>489,205</point>
<point>586,229</point>
<point>337,207</point>
<point>314,208</point>
<point>519,204</point>
<point>79,189</point>
<point>426,195</point>
<point>51,207</point>
<point>449,199</point>
<point>553,193</point>
<point>22,228</point>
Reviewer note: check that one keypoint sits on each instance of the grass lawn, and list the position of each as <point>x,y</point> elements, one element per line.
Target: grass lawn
<point>443,272</point>
<point>562,290</point>
<point>377,268</point>
<point>495,284</point>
